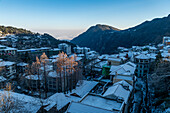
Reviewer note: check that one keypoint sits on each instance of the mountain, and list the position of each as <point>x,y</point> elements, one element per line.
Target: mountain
<point>106,39</point>
<point>24,39</point>
<point>13,30</point>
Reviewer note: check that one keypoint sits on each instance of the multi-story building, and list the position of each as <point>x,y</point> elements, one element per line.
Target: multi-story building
<point>166,40</point>
<point>9,68</point>
<point>4,50</point>
<point>38,52</point>
<point>81,50</point>
<point>33,81</point>
<point>65,48</point>
<point>143,62</point>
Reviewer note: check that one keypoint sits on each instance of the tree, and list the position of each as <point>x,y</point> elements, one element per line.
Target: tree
<point>44,61</point>
<point>61,69</point>
<point>6,103</point>
<point>71,69</point>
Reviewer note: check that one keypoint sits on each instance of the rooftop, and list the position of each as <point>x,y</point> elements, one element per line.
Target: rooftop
<point>83,108</point>
<point>101,102</point>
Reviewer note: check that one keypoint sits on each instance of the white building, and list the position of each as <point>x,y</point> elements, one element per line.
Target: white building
<point>65,48</point>
<point>143,62</point>
<point>123,72</point>
<point>166,40</point>
<point>9,68</point>
<point>81,50</point>
<point>7,50</point>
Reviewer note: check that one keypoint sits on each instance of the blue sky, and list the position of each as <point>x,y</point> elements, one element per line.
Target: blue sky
<point>67,18</point>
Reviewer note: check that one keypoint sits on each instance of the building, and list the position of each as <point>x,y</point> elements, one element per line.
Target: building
<point>103,102</point>
<point>123,72</point>
<point>21,103</point>
<point>76,107</point>
<point>152,49</point>
<point>4,50</point>
<point>91,55</point>
<point>143,63</point>
<point>33,81</point>
<point>83,88</point>
<point>21,67</point>
<point>114,61</point>
<point>37,52</point>
<point>120,90</point>
<point>3,82</point>
<point>8,68</point>
<point>81,50</point>
<point>166,40</point>
<point>65,48</point>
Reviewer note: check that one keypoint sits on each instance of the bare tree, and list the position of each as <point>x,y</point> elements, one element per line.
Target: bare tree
<point>61,69</point>
<point>6,103</point>
<point>44,61</point>
<point>71,69</point>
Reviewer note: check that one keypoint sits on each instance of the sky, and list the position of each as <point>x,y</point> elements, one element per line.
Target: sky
<point>66,19</point>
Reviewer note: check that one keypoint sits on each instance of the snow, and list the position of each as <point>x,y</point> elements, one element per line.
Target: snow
<point>165,55</point>
<point>23,103</point>
<point>5,48</point>
<point>84,88</point>
<point>153,48</point>
<point>2,79</point>
<point>101,64</point>
<point>6,63</point>
<point>1,46</point>
<point>101,102</point>
<point>53,74</point>
<point>142,56</point>
<point>125,77</point>
<point>63,44</point>
<point>122,69</point>
<point>118,90</point>
<point>114,59</point>
<point>34,77</point>
<point>104,56</point>
<point>22,64</point>
<point>60,99</point>
<point>83,108</point>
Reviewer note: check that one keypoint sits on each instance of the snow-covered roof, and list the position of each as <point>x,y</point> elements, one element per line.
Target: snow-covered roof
<point>75,107</point>
<point>101,102</point>
<point>3,40</point>
<point>130,78</point>
<point>56,49</point>
<point>34,77</point>
<point>166,59</point>
<point>63,44</point>
<point>114,59</point>
<point>60,100</point>
<point>104,56</point>
<point>152,48</point>
<point>165,55</point>
<point>122,69</point>
<point>100,64</point>
<point>54,56</point>
<point>142,56</point>
<point>2,79</point>
<point>6,63</point>
<point>22,103</point>
<point>53,74</point>
<point>84,87</point>
<point>22,64</point>
<point>118,90</point>
<point>7,48</point>
<point>2,46</point>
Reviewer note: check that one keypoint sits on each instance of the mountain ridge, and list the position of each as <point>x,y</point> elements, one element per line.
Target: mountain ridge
<point>107,41</point>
